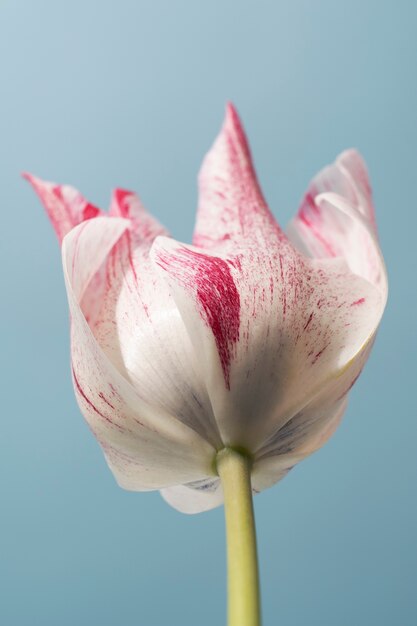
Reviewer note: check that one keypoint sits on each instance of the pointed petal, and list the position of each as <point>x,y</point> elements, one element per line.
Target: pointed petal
<point>231,205</point>
<point>195,497</point>
<point>274,329</point>
<point>348,177</point>
<point>146,448</point>
<point>354,183</point>
<point>354,239</point>
<point>127,204</point>
<point>336,219</point>
<point>65,206</point>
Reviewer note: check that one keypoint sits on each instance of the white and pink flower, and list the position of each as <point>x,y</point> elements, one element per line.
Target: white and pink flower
<point>249,338</point>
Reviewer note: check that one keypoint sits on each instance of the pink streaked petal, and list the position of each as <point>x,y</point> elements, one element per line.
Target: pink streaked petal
<point>336,219</point>
<point>348,177</point>
<point>353,167</point>
<point>274,328</point>
<point>231,205</point>
<point>146,447</point>
<point>209,281</point>
<point>65,206</point>
<point>127,204</point>
<point>139,328</point>
<point>354,238</point>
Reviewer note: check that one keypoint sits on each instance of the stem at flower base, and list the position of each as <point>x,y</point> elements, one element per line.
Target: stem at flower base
<point>234,468</point>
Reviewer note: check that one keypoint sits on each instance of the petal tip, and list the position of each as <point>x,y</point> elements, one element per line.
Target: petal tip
<point>231,113</point>
<point>33,180</point>
<point>27,176</point>
<point>233,124</point>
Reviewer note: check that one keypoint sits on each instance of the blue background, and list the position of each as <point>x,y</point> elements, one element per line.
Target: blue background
<point>102,94</point>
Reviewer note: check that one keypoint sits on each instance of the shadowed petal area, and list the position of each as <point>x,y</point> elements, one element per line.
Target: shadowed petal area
<point>146,447</point>
<point>305,434</point>
<point>65,206</point>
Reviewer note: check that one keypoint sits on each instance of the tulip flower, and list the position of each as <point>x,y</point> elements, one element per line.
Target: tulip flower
<point>207,371</point>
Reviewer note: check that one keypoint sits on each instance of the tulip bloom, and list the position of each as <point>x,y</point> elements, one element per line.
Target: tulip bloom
<point>248,340</point>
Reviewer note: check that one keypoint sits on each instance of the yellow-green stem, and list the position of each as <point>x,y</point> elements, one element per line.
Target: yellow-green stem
<point>234,468</point>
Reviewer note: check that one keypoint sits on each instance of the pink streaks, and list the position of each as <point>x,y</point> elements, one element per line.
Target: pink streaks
<point>306,325</point>
<point>358,302</point>
<point>217,296</point>
<point>65,207</point>
<point>86,212</point>
<point>103,397</point>
<point>318,354</point>
<point>309,215</point>
<point>121,205</point>
<point>130,257</point>
<point>90,211</point>
<point>89,402</point>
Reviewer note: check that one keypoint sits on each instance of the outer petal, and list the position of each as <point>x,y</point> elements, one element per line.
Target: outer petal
<point>274,329</point>
<point>284,337</point>
<point>65,206</point>
<point>145,448</point>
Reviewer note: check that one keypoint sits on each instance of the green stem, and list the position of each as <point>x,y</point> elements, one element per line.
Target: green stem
<point>234,468</point>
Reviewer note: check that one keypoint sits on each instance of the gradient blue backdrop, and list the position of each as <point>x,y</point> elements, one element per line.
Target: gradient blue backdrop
<point>100,94</point>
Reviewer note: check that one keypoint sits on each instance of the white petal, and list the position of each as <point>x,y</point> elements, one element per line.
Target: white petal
<point>139,328</point>
<point>146,448</point>
<point>336,219</point>
<point>196,497</point>
<point>274,329</point>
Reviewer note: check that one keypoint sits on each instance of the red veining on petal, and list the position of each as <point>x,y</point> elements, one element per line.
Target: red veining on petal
<point>65,206</point>
<point>308,321</point>
<point>218,298</point>
<point>89,402</point>
<point>231,204</point>
<point>103,397</point>
<point>78,210</point>
<point>122,205</point>
<point>130,255</point>
<point>309,215</point>
<point>318,354</point>
<point>90,211</point>
<point>243,186</point>
<point>357,302</point>
<point>283,292</point>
